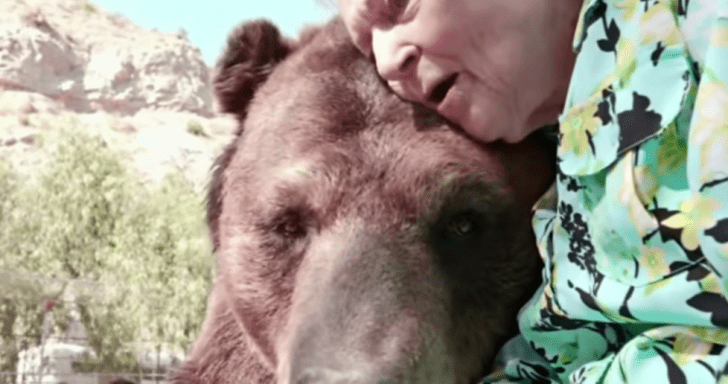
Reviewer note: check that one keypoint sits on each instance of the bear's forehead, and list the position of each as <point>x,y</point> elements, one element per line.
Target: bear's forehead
<point>309,106</point>
<point>308,148</point>
<point>343,118</point>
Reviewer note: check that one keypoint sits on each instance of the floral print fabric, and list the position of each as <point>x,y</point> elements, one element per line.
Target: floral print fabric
<point>634,233</point>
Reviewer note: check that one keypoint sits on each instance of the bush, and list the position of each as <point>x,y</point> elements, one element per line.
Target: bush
<point>24,120</point>
<point>195,127</point>
<point>87,217</point>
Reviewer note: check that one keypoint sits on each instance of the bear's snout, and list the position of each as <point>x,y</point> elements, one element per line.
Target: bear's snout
<point>369,310</point>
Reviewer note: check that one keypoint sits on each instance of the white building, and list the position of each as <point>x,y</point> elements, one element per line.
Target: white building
<point>52,363</point>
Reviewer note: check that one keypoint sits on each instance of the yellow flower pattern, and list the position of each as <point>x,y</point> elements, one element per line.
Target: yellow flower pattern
<point>580,125</point>
<point>696,215</point>
<point>653,260</point>
<point>635,237</point>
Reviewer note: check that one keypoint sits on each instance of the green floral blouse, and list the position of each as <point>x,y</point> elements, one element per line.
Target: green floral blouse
<point>634,233</point>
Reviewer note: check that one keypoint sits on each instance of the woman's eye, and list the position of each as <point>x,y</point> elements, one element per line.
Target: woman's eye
<point>392,10</point>
<point>398,4</point>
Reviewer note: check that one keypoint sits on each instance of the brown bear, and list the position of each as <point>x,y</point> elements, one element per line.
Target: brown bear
<point>359,238</point>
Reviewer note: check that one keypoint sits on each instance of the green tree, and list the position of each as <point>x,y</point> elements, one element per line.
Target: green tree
<point>87,217</point>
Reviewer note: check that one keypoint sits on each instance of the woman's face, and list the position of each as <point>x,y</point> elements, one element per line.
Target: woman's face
<point>479,63</point>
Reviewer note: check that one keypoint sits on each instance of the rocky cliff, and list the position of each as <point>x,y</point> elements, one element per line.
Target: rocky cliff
<point>70,63</point>
<point>89,59</point>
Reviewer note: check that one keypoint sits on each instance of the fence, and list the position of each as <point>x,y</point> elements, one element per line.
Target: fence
<point>44,356</point>
<point>55,362</point>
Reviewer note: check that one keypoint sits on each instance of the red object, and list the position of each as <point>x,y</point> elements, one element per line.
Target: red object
<point>49,305</point>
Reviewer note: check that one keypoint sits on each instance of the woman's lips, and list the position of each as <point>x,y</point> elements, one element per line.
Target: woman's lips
<point>440,92</point>
<point>453,103</point>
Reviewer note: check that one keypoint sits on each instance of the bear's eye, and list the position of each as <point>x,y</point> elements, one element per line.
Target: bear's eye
<point>463,225</point>
<point>291,225</point>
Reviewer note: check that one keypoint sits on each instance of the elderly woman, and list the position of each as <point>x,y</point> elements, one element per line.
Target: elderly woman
<point>634,234</point>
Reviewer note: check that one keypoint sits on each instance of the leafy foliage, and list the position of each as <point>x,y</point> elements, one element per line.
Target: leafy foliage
<point>87,218</point>
<point>195,127</point>
<point>90,8</point>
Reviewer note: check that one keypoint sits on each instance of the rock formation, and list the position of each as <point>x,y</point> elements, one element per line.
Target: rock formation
<point>89,59</point>
<point>70,63</point>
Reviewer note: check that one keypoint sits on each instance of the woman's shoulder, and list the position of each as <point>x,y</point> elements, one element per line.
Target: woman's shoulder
<point>637,63</point>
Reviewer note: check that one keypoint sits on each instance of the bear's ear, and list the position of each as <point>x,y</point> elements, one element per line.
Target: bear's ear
<point>253,50</point>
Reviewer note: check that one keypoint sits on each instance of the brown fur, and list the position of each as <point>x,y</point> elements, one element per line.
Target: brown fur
<point>340,222</point>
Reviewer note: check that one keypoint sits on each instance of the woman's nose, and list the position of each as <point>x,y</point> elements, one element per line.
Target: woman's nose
<point>395,59</point>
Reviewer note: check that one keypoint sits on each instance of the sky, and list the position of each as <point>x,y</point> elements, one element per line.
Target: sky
<point>208,22</point>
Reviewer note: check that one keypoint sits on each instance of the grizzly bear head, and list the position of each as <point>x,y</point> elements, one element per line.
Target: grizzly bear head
<point>358,238</point>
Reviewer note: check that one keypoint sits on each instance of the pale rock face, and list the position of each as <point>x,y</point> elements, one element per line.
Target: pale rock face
<point>167,75</point>
<point>22,102</point>
<point>90,59</point>
<point>34,60</point>
<point>70,65</point>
